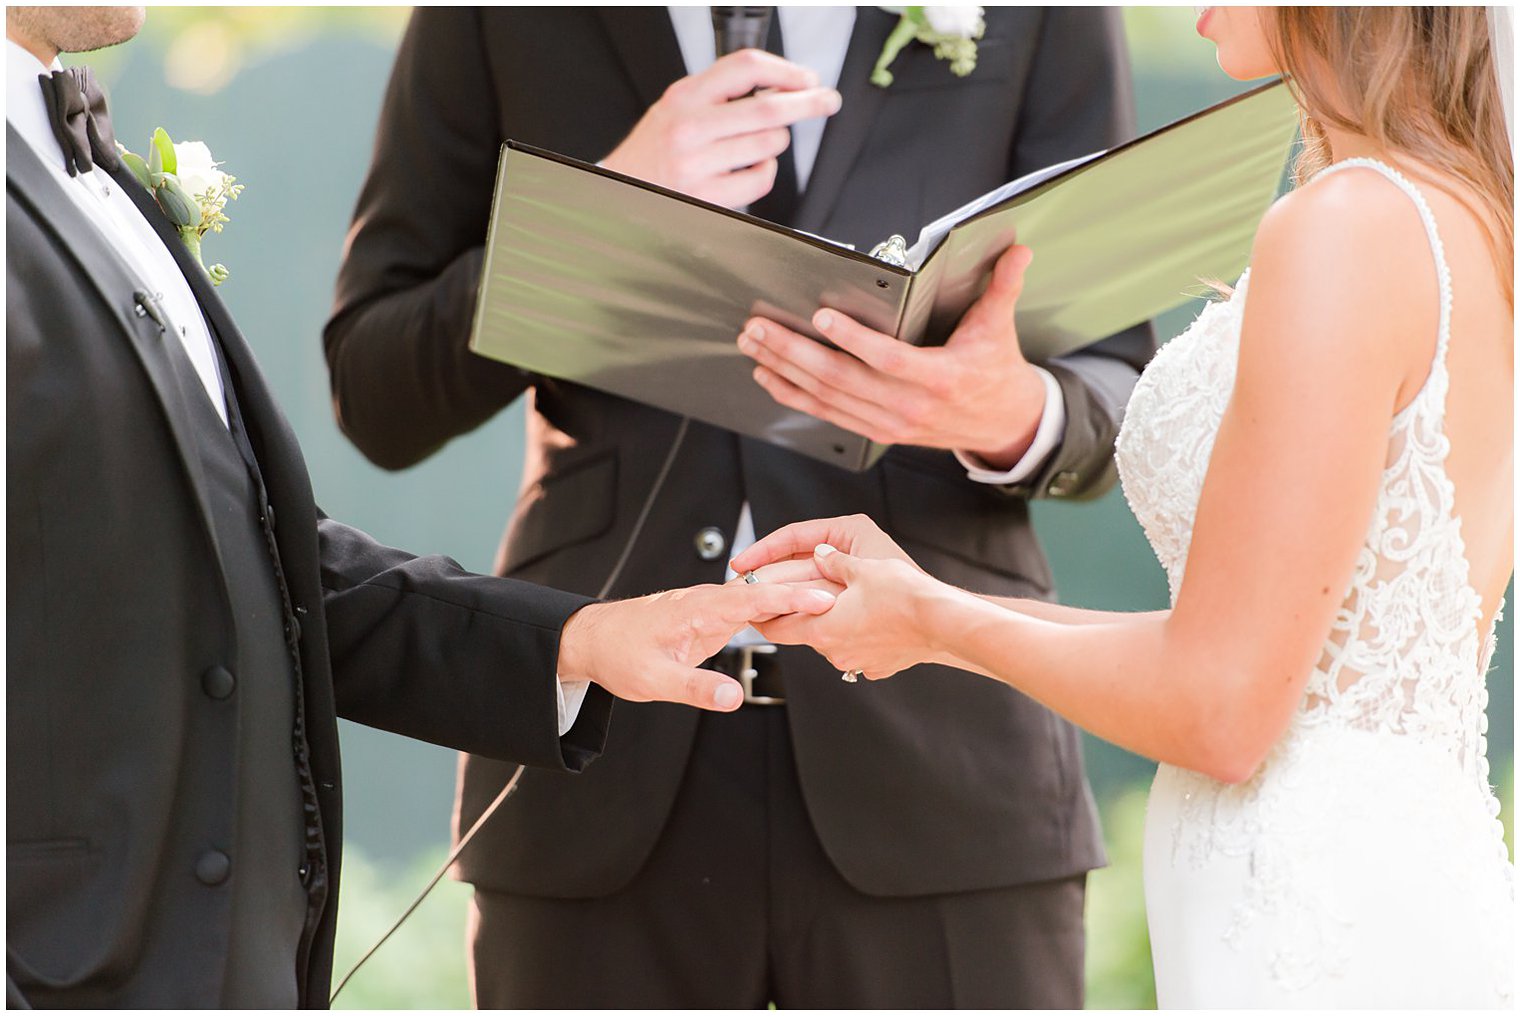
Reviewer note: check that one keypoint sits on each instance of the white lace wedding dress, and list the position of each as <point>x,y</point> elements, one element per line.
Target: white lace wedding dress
<point>1363,864</point>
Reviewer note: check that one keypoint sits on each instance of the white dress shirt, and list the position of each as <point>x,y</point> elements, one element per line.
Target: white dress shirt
<point>818,38</point>
<point>133,238</point>
<point>113,213</point>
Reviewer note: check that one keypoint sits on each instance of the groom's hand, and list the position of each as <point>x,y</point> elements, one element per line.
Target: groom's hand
<point>975,394</point>
<point>709,138</point>
<point>648,649</point>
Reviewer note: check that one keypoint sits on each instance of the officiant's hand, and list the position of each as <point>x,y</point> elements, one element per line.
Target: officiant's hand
<point>709,138</point>
<point>647,649</point>
<point>975,394</point>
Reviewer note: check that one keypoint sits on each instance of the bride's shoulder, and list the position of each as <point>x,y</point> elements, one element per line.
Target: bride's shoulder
<point>1347,253</point>
<point>1356,211</point>
<point>1343,280</point>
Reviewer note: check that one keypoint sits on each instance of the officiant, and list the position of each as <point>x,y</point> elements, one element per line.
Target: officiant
<point>922,842</point>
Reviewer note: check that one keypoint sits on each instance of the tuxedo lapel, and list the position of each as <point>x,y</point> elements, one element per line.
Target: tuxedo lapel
<point>117,285</point>
<point>646,43</point>
<point>212,306</point>
<point>847,130</point>
<point>275,444</point>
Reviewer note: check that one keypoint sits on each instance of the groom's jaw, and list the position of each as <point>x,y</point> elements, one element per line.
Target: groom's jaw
<point>47,31</point>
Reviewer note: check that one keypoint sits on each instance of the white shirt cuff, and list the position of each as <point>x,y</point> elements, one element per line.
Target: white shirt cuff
<point>568,696</point>
<point>1052,427</point>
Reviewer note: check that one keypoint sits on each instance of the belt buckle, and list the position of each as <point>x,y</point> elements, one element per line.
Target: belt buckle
<point>748,673</point>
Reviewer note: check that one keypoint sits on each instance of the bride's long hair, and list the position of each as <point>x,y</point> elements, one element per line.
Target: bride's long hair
<point>1416,80</point>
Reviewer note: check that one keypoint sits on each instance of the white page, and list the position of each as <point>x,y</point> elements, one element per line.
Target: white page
<point>930,236</point>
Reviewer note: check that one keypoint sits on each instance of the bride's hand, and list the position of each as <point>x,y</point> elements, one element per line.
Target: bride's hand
<point>853,534</point>
<point>975,394</point>
<point>875,625</point>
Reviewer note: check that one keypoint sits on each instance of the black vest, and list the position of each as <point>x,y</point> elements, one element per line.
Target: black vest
<point>266,866</point>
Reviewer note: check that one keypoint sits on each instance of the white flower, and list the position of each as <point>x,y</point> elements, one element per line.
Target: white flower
<point>197,170</point>
<point>961,21</point>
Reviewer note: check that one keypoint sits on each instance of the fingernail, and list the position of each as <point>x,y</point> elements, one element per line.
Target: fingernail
<point>823,320</point>
<point>746,344</point>
<point>835,101</point>
<point>824,550</point>
<point>727,695</point>
<point>755,332</point>
<point>819,597</point>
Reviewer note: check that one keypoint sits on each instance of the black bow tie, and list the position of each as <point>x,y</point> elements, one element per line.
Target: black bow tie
<point>77,109</point>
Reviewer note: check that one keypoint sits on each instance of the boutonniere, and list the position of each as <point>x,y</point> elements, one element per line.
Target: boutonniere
<point>952,31</point>
<point>189,188</point>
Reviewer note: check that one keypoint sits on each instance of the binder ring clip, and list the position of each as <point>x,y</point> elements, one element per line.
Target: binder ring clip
<point>893,251</point>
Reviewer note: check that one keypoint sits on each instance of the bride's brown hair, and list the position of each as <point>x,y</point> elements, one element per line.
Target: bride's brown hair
<point>1416,80</point>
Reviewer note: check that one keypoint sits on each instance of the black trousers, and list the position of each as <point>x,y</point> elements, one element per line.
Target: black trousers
<point>739,907</point>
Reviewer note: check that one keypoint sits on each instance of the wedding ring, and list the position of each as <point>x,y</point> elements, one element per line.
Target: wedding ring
<point>851,676</point>
<point>749,578</point>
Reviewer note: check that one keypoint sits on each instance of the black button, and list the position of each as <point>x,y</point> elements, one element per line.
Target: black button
<point>213,867</point>
<point>269,515</point>
<point>293,628</point>
<point>218,682</point>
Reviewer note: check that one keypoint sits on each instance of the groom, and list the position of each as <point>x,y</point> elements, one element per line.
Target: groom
<point>184,625</point>
<point>922,842</point>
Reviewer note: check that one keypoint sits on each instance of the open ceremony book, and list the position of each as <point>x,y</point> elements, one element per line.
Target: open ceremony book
<point>623,286</point>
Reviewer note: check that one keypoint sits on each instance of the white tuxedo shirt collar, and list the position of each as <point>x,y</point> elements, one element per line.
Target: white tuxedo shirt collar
<point>24,107</point>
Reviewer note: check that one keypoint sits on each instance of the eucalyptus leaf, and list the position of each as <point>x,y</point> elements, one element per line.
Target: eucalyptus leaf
<point>177,203</point>
<point>165,149</point>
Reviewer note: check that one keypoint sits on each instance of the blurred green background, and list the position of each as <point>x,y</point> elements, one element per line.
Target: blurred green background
<point>288,98</point>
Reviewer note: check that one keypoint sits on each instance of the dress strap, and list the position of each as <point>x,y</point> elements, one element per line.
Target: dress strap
<point>1437,249</point>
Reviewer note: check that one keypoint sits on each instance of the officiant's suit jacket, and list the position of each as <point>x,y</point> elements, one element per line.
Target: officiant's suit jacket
<point>123,718</point>
<point>935,781</point>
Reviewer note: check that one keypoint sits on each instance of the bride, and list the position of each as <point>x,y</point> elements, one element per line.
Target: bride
<point>1323,463</point>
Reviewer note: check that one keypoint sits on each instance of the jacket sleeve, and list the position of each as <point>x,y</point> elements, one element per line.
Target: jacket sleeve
<point>420,647</point>
<point>1078,99</point>
<point>403,379</point>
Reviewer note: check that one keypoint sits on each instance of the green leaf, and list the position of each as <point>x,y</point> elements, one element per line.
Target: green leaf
<point>165,150</point>
<point>903,34</point>
<point>177,203</point>
<point>139,168</point>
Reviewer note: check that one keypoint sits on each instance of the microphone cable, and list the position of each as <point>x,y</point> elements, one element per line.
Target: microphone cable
<point>511,784</point>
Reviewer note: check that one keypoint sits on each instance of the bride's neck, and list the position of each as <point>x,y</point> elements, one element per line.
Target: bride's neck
<point>1346,144</point>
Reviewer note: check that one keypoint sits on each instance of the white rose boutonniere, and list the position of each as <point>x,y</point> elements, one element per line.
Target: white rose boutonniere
<point>190,189</point>
<point>952,31</point>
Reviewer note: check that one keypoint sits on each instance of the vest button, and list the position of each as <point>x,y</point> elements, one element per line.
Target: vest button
<point>218,682</point>
<point>710,543</point>
<point>293,628</point>
<point>213,867</point>
<point>269,515</point>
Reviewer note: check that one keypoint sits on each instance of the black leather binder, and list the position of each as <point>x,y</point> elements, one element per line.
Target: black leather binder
<point>598,278</point>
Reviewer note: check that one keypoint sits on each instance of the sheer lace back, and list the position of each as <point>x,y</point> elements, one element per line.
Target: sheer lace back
<point>1406,654</point>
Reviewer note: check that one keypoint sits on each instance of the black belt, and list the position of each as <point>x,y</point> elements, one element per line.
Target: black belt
<point>757,668</point>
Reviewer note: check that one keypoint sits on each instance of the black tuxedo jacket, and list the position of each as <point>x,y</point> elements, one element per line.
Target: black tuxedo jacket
<point>935,781</point>
<point>120,768</point>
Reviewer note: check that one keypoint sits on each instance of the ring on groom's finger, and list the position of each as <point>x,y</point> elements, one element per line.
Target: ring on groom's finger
<point>749,578</point>
<point>851,676</point>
